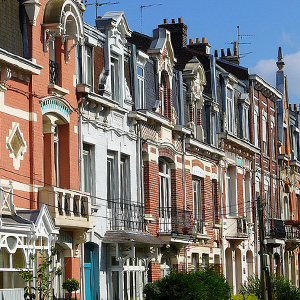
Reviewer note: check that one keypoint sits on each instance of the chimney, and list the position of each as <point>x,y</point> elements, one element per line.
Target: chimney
<point>216,53</point>
<point>203,47</point>
<point>166,21</point>
<point>231,58</point>
<point>295,107</point>
<point>178,34</point>
<point>191,41</point>
<point>290,107</point>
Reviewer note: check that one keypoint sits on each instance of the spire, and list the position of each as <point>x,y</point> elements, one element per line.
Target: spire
<point>280,63</point>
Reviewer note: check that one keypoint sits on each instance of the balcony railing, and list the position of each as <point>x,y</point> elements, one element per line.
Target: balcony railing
<point>68,208</point>
<point>292,229</point>
<point>236,228</point>
<point>275,229</point>
<point>198,226</point>
<point>173,220</point>
<point>126,216</point>
<point>53,72</point>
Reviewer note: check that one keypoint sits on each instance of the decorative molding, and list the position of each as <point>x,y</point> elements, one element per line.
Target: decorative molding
<point>32,8</point>
<point>16,145</point>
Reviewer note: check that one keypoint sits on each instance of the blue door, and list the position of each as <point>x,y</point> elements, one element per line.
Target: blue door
<point>91,271</point>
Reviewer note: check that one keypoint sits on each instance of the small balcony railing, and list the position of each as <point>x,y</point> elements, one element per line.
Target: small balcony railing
<point>275,229</point>
<point>68,208</point>
<point>198,226</point>
<point>292,229</point>
<point>173,220</point>
<point>53,72</point>
<point>126,216</point>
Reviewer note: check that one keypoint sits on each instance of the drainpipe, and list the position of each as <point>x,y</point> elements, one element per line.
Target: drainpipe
<point>221,216</point>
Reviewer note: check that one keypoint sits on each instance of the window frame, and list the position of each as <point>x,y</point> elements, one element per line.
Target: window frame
<point>141,86</point>
<point>230,109</point>
<point>115,79</point>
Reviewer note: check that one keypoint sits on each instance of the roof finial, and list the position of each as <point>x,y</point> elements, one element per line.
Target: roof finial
<point>280,63</point>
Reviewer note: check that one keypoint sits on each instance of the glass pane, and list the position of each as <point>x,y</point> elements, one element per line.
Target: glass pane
<point>140,71</point>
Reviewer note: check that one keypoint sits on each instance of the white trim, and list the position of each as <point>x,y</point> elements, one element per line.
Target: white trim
<point>19,186</point>
<point>19,113</point>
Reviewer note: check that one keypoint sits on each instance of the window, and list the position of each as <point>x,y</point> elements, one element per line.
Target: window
<point>216,216</point>
<point>53,65</point>
<point>230,110</point>
<point>197,203</point>
<point>79,64</point>
<point>205,260</point>
<point>89,66</point>
<point>273,137</point>
<point>115,81</point>
<point>141,92</point>
<point>56,156</point>
<point>162,98</point>
<point>255,125</point>
<point>214,129</point>
<point>195,261</point>
<point>267,199</point>
<point>247,196</point>
<point>110,179</point>
<point>265,134</point>
<point>295,145</point>
<point>165,196</point>
<point>124,181</point>
<point>88,174</point>
<point>245,122</point>
<point>286,208</point>
<point>231,191</point>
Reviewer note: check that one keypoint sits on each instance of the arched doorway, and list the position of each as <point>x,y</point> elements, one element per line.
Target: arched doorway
<point>249,259</point>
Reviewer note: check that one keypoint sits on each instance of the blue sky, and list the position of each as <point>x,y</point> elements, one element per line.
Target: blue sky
<point>274,23</point>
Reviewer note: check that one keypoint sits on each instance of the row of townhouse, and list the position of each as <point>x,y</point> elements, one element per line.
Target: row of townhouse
<point>135,155</point>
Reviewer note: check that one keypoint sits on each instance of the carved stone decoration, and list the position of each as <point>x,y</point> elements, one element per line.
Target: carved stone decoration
<point>79,237</point>
<point>32,8</point>
<point>16,145</point>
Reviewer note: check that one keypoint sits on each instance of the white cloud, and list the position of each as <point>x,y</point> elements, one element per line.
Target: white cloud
<point>267,69</point>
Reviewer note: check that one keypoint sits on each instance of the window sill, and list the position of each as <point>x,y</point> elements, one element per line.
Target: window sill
<point>57,90</point>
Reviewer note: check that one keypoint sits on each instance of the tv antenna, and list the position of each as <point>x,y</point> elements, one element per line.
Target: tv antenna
<point>97,4</point>
<point>239,42</point>
<point>145,6</point>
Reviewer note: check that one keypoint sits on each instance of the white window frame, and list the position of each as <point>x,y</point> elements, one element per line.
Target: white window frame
<point>88,170</point>
<point>255,126</point>
<point>273,142</point>
<point>214,129</point>
<point>115,79</point>
<point>165,196</point>
<point>89,63</point>
<point>162,98</point>
<point>56,157</point>
<point>141,86</point>
<point>265,133</point>
<point>230,109</point>
<point>231,191</point>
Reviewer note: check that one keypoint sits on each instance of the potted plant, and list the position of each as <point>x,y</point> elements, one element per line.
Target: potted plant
<point>71,285</point>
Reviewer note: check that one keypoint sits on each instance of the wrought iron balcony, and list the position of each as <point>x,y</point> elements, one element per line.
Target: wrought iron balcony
<point>178,221</point>
<point>53,72</point>
<point>126,216</point>
<point>292,231</point>
<point>68,208</point>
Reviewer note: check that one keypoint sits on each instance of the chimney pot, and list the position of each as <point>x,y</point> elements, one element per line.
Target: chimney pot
<point>204,40</point>
<point>173,21</point>
<point>216,53</point>
<point>197,40</point>
<point>295,107</point>
<point>228,52</point>
<point>191,41</point>
<point>180,20</point>
<point>290,106</point>
<point>166,21</point>
<point>222,52</point>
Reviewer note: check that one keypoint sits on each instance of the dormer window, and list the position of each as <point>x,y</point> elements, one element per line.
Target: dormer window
<point>115,80</point>
<point>141,84</point>
<point>89,66</point>
<point>230,109</point>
